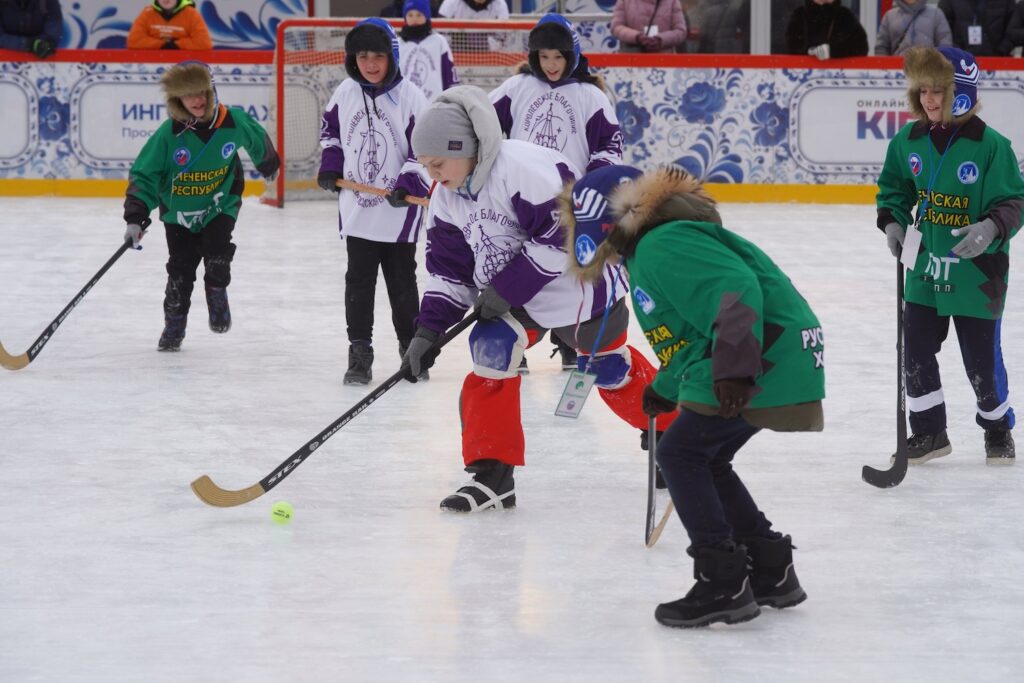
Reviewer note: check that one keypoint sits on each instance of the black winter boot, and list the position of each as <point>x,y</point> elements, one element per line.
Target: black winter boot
<point>772,577</point>
<point>217,305</point>
<point>924,447</point>
<point>999,448</point>
<point>722,592</point>
<point>424,374</point>
<point>360,358</point>
<point>566,353</point>
<point>173,334</point>
<point>492,487</point>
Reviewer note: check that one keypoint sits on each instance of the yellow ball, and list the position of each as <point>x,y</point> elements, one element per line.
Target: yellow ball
<point>282,512</point>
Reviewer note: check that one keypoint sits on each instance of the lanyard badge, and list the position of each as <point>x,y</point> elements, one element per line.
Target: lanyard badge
<point>575,393</point>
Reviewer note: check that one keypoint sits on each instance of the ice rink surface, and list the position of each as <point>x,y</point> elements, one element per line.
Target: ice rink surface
<point>114,571</point>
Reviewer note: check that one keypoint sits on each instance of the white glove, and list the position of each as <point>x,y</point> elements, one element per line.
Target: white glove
<point>133,233</point>
<point>819,51</point>
<point>979,236</point>
<point>894,235</point>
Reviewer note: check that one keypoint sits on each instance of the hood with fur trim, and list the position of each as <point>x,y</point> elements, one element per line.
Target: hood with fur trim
<point>660,196</point>
<point>188,78</point>
<point>926,66</point>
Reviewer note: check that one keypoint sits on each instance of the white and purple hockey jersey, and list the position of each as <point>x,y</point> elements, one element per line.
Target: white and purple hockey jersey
<point>366,138</point>
<point>460,9</point>
<point>428,64</point>
<point>510,237</point>
<point>571,117</point>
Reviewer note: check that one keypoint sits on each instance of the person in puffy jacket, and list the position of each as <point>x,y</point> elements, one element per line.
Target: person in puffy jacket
<point>910,23</point>
<point>32,26</point>
<point>169,25</point>
<point>648,25</point>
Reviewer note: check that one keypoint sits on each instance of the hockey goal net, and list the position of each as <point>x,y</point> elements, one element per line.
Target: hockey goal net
<point>309,63</point>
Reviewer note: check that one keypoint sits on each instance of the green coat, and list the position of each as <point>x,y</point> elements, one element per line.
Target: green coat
<point>714,306</point>
<point>194,175</point>
<point>977,177</point>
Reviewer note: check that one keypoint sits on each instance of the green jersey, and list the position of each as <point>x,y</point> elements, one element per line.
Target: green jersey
<point>714,306</point>
<point>954,178</point>
<point>194,174</point>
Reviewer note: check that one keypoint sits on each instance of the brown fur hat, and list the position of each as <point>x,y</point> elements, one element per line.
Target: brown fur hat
<point>926,66</point>
<point>665,194</point>
<point>188,78</point>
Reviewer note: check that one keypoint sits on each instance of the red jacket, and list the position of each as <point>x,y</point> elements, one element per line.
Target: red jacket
<point>185,27</point>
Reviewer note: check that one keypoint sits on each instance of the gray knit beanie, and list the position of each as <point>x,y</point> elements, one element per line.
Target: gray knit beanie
<point>444,130</point>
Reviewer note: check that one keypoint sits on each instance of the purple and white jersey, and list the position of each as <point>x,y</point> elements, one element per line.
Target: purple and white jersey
<point>571,117</point>
<point>428,64</point>
<point>509,237</point>
<point>366,140</point>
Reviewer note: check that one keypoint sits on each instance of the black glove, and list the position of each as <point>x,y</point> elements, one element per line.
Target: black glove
<point>421,353</point>
<point>169,45</point>
<point>328,181</point>
<point>733,395</point>
<point>491,304</point>
<point>654,404</point>
<point>396,198</point>
<point>42,48</point>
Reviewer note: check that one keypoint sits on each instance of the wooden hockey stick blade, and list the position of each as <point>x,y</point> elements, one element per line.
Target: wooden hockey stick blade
<point>379,191</point>
<point>656,534</point>
<point>12,362</point>
<point>211,494</point>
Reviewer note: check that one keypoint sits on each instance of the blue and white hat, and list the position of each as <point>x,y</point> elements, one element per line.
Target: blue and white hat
<point>591,210</point>
<point>965,79</point>
<point>554,32</point>
<point>372,35</point>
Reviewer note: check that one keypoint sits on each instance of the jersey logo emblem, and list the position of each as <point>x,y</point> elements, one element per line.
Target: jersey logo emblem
<point>181,156</point>
<point>227,150</point>
<point>643,300</point>
<point>585,250</point>
<point>961,105</point>
<point>914,160</point>
<point>967,172</point>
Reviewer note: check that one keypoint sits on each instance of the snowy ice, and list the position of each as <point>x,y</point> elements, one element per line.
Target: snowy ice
<point>114,571</point>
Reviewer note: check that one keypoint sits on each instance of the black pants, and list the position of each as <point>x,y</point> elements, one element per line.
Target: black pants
<point>212,246</point>
<point>981,350</point>
<point>397,261</point>
<point>695,456</point>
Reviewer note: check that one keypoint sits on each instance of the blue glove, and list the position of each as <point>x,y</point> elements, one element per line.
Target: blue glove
<point>133,233</point>
<point>421,353</point>
<point>491,304</point>
<point>894,235</point>
<point>978,236</point>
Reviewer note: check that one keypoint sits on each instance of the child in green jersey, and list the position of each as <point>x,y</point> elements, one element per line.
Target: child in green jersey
<point>190,169</point>
<point>962,177</point>
<point>740,350</point>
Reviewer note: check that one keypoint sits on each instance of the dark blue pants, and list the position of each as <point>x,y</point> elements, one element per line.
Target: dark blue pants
<point>924,331</point>
<point>695,456</point>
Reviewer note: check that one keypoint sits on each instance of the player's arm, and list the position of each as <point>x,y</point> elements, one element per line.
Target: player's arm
<point>451,289</point>
<point>604,139</point>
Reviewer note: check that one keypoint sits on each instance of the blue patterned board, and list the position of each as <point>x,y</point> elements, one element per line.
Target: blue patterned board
<point>769,126</point>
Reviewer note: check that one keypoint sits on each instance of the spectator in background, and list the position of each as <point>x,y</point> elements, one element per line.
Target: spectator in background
<point>979,26</point>
<point>473,9</point>
<point>648,25</point>
<point>1015,30</point>
<point>725,27</point>
<point>31,26</point>
<point>910,23</point>
<point>397,8</point>
<point>169,25</point>
<point>825,29</point>
<point>425,57</point>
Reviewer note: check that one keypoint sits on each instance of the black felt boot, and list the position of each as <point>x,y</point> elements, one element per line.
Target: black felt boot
<point>491,488</point>
<point>772,577</point>
<point>722,592</point>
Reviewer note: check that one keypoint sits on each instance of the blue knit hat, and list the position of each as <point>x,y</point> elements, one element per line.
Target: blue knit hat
<point>593,215</point>
<point>423,6</point>
<point>554,32</point>
<point>965,79</point>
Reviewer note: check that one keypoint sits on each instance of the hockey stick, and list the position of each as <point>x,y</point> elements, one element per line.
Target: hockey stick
<point>886,479</point>
<point>18,362</point>
<point>652,532</point>
<point>211,494</point>
<point>379,191</point>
